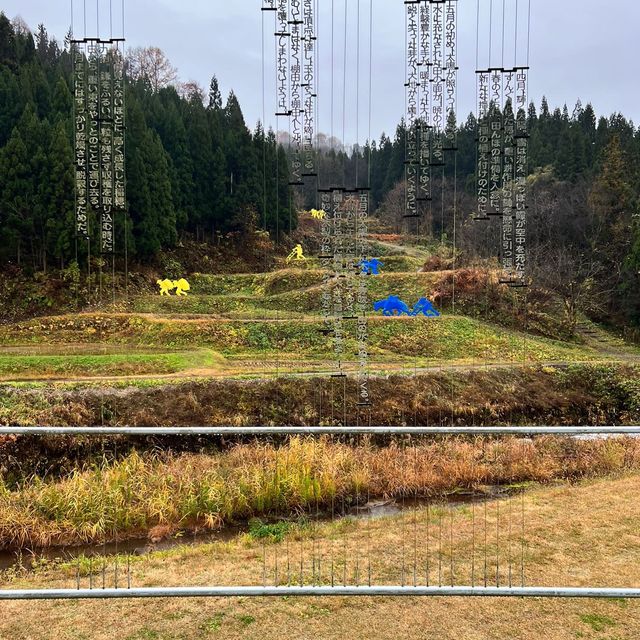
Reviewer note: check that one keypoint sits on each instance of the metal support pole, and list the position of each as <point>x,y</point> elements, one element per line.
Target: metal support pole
<point>310,591</point>
<point>339,430</point>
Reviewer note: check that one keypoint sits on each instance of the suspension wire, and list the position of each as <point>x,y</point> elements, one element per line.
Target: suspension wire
<point>344,402</point>
<point>276,483</point>
<point>455,193</point>
<point>104,472</point>
<point>357,549</point>
<point>113,257</point>
<point>370,94</point>
<point>473,509</point>
<point>316,91</point>
<point>290,188</point>
<point>401,225</point>
<point>497,525</point>
<point>277,151</point>
<point>72,47</point>
<point>510,531</point>
<point>126,211</point>
<point>344,544</point>
<point>84,22</point>
<point>415,515</point>
<point>491,32</point>
<point>277,161</point>
<point>357,94</point>
<point>515,31</point>
<point>528,31</point>
<point>369,153</point>
<point>452,549</point>
<point>264,135</point>
<point>485,527</point>
<point>264,541</point>
<point>369,530</point>
<point>308,508</point>
<point>402,460</point>
<point>301,574</point>
<point>333,522</point>
<point>522,532</point>
<point>287,471</point>
<point>504,8</point>
<point>344,95</point>
<point>317,489</point>
<point>526,311</point>
<point>440,558</point>
<point>333,28</point>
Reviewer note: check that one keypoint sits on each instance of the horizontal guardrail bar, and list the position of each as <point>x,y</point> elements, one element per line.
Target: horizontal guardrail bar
<point>387,590</point>
<point>359,430</point>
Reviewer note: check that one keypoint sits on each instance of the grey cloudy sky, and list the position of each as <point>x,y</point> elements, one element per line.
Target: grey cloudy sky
<point>588,49</point>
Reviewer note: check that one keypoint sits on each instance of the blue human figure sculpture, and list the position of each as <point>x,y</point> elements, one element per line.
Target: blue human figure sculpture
<point>371,267</point>
<point>426,308</point>
<point>391,306</point>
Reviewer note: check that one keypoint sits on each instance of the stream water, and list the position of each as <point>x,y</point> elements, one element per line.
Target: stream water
<point>381,508</point>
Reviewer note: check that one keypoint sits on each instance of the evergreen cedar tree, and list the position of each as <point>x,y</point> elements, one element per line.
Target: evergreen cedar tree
<point>194,166</point>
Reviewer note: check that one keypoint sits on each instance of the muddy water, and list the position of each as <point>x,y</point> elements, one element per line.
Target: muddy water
<point>27,558</point>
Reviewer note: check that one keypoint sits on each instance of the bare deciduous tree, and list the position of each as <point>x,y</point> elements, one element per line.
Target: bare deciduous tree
<point>573,276</point>
<point>152,65</point>
<point>190,90</point>
<point>20,26</point>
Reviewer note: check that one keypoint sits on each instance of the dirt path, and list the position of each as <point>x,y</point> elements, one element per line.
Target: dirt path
<point>282,369</point>
<point>399,249</point>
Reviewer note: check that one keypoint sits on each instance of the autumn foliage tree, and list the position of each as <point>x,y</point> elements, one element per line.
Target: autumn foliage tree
<point>151,65</point>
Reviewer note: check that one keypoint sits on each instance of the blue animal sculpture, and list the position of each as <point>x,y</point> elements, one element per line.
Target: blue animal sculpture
<point>371,267</point>
<point>391,306</point>
<point>424,307</point>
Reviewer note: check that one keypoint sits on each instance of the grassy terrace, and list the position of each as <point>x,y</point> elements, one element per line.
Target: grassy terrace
<point>450,338</point>
<point>247,324</point>
<point>34,367</point>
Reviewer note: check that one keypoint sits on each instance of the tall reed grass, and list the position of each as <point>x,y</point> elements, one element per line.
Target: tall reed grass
<point>133,495</point>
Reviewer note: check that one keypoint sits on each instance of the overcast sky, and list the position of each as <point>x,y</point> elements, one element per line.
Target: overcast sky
<point>588,49</point>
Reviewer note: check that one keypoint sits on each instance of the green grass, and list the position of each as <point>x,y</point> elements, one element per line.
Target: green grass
<point>144,634</point>
<point>432,340</point>
<point>295,293</point>
<point>597,622</point>
<point>102,365</point>
<point>261,284</point>
<point>288,291</point>
<point>271,532</point>
<point>213,623</point>
<point>392,264</point>
<point>246,620</point>
<point>234,315</point>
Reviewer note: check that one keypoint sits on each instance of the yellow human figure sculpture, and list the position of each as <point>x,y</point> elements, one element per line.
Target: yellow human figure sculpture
<point>297,254</point>
<point>166,286</point>
<point>318,214</point>
<point>181,287</point>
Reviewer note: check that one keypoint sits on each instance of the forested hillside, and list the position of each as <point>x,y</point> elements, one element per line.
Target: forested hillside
<point>192,164</point>
<point>194,167</point>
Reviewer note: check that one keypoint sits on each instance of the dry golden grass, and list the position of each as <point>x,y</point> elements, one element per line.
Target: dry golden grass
<point>133,495</point>
<point>580,535</point>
